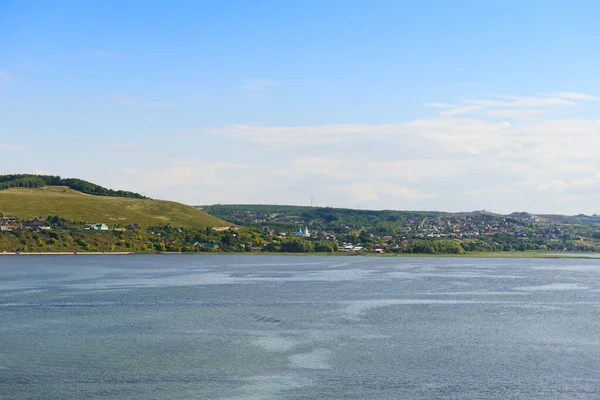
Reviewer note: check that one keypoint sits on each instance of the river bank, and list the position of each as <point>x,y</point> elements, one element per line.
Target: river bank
<point>512,254</point>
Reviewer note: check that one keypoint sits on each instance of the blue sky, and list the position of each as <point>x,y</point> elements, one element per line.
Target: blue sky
<point>438,105</point>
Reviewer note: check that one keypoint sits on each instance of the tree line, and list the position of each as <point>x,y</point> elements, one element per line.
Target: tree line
<point>37,181</point>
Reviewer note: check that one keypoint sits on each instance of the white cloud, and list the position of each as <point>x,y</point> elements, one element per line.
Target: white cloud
<point>259,85</point>
<point>449,135</point>
<point>427,162</point>
<point>531,161</point>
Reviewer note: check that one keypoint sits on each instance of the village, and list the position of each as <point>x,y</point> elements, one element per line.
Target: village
<point>352,233</point>
<point>382,231</point>
<point>9,224</point>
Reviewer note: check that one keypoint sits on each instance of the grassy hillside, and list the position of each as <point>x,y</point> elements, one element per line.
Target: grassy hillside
<point>73,205</point>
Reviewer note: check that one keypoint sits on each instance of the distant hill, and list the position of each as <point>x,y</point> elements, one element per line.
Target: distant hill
<point>38,181</point>
<point>78,206</point>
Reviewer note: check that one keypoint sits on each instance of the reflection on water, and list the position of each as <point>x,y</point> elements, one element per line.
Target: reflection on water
<point>266,327</point>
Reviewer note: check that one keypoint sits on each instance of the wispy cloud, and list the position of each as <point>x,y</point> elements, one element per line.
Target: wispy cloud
<point>461,110</point>
<point>532,101</point>
<point>8,147</point>
<point>143,103</point>
<point>514,106</point>
<point>259,85</point>
<point>439,105</point>
<point>4,76</point>
<point>512,113</point>
<point>575,96</point>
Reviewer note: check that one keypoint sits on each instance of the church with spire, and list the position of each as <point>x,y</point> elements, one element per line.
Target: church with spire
<point>303,233</point>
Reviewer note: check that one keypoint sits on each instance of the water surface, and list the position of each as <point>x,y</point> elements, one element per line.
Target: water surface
<point>269,327</point>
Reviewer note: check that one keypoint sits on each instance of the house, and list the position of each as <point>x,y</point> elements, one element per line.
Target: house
<point>8,221</point>
<point>34,223</point>
<point>99,227</point>
<point>350,247</point>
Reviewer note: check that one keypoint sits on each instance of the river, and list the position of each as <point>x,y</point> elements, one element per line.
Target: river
<point>298,327</point>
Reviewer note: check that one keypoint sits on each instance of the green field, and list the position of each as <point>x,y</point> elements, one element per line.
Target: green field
<point>76,206</point>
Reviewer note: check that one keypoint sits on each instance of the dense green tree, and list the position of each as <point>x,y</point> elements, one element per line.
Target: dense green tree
<point>325,246</point>
<point>297,245</point>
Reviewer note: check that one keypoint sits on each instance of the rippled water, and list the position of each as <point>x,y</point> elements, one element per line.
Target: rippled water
<point>265,327</point>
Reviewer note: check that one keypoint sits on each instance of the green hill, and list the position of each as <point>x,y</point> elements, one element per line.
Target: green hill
<point>77,206</point>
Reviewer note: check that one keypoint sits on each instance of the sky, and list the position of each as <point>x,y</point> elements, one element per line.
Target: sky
<point>448,105</point>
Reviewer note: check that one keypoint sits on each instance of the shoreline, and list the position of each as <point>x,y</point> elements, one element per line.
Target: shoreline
<point>524,254</point>
<point>65,253</point>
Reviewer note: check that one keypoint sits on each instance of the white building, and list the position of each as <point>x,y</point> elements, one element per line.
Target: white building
<point>303,233</point>
<point>99,227</point>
